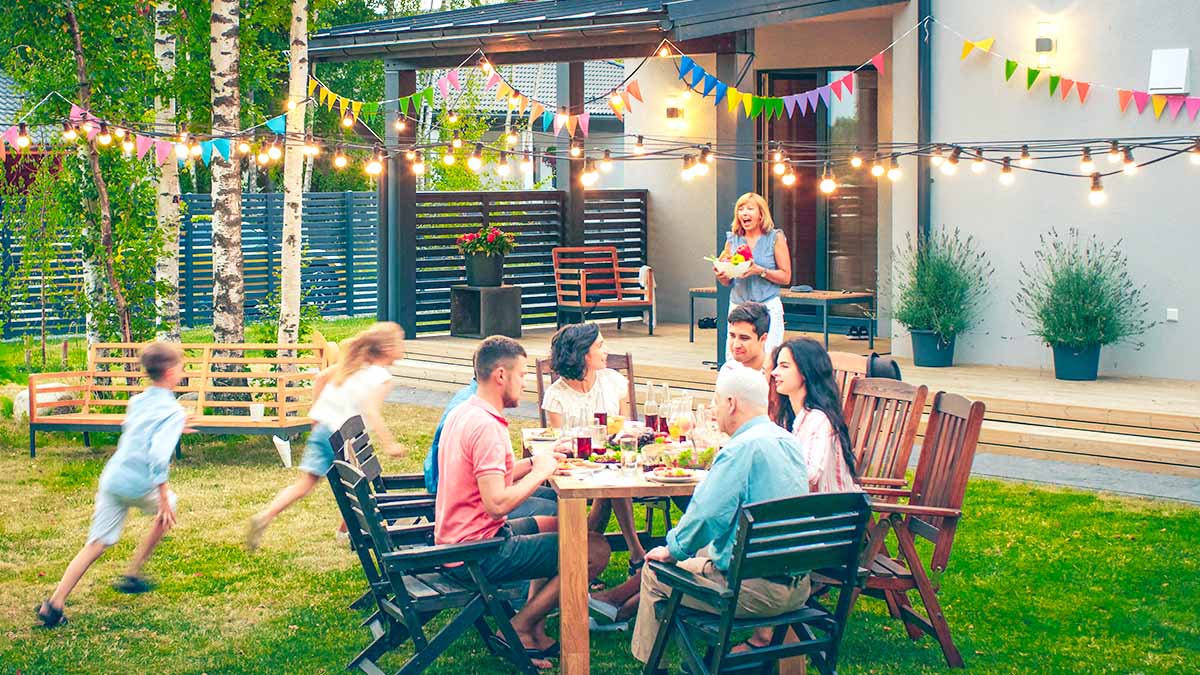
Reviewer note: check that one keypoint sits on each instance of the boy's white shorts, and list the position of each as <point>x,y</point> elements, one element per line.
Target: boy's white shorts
<point>109,517</point>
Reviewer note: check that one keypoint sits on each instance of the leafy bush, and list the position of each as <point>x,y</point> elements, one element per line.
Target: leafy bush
<point>6,407</point>
<point>941,283</point>
<point>1078,293</point>
<point>489,240</point>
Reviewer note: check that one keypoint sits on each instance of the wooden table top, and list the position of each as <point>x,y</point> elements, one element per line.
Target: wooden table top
<point>569,487</point>
<point>814,295</point>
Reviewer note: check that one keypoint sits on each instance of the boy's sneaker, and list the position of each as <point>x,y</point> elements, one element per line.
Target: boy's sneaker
<point>50,616</point>
<point>128,584</point>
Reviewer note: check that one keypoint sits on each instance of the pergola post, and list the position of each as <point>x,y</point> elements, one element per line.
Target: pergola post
<point>397,252</point>
<point>570,96</point>
<point>733,179</point>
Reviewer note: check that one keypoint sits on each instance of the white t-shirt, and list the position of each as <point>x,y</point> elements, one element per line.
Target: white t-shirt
<point>339,402</point>
<point>731,363</point>
<point>607,392</point>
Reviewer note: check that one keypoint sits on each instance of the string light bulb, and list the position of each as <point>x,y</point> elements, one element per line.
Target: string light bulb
<point>310,147</point>
<point>828,180</point>
<point>589,175</point>
<point>686,93</point>
<point>777,155</point>
<point>561,117</point>
<point>410,154</point>
<point>1128,166</point>
<point>1096,196</point>
<point>511,137</point>
<point>119,132</point>
<point>700,168</point>
<point>877,169</point>
<point>514,100</point>
<point>339,160</point>
<point>894,173</point>
<point>273,152</point>
<point>127,146</point>
<point>347,121</point>
<point>244,148</point>
<point>418,165</point>
<point>615,99</point>
<point>856,159</point>
<point>1086,165</point>
<point>606,164</point>
<point>262,157</point>
<point>789,177</point>
<point>526,162</point>
<point>950,166</point>
<point>452,117</point>
<point>576,149</point>
<point>105,137</point>
<point>502,168</point>
<point>456,140</point>
<point>706,154</point>
<point>664,52</point>
<point>87,127</point>
<point>69,133</point>
<point>448,156</point>
<point>780,165</point>
<point>639,146</point>
<point>1114,153</point>
<point>486,66</point>
<point>375,165</point>
<point>1006,172</point>
<point>1194,155</point>
<point>938,157</point>
<point>400,124</point>
<point>475,161</point>
<point>195,150</point>
<point>1025,160</point>
<point>978,165</point>
<point>23,136</point>
<point>689,162</point>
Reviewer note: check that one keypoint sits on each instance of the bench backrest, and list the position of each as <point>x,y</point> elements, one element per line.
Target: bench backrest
<point>600,265</point>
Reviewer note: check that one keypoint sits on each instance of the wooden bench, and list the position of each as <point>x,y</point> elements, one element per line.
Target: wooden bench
<point>225,379</point>
<point>588,279</point>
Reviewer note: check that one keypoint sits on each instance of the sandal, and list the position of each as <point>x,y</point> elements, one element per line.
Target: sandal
<point>595,586</point>
<point>551,652</point>
<point>750,646</point>
<point>50,616</point>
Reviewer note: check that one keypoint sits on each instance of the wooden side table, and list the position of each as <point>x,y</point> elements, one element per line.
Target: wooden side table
<point>480,311</point>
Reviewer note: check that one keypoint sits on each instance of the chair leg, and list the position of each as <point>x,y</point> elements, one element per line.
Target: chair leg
<point>618,323</point>
<point>651,326</point>
<point>32,442</point>
<point>87,440</point>
<point>395,635</point>
<point>364,601</point>
<point>444,638</point>
<point>933,608</point>
<point>904,610</point>
<point>664,633</point>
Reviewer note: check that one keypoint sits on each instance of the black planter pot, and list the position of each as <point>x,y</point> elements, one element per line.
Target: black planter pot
<point>930,350</point>
<point>1076,364</point>
<point>484,270</point>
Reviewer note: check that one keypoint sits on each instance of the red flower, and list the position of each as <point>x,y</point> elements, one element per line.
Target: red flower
<point>491,236</point>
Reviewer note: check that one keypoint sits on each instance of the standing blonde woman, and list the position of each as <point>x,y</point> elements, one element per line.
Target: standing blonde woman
<point>357,385</point>
<point>771,267</point>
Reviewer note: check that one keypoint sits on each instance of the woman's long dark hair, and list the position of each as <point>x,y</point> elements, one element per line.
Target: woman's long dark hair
<point>821,391</point>
<point>569,348</point>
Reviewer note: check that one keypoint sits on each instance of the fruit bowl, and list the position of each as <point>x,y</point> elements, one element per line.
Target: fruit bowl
<point>735,270</point>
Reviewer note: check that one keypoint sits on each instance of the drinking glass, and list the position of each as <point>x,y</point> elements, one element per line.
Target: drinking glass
<point>630,458</point>
<point>599,438</point>
<point>651,410</point>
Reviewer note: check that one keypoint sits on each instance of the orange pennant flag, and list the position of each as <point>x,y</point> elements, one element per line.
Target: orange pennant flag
<point>1160,104</point>
<point>1066,87</point>
<point>572,121</point>
<point>634,90</point>
<point>625,98</point>
<point>502,91</point>
<point>524,103</point>
<point>1082,89</point>
<point>617,110</point>
<point>535,111</point>
<point>1124,96</point>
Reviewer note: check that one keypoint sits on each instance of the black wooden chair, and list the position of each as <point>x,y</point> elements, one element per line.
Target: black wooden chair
<point>410,588</point>
<point>775,538</point>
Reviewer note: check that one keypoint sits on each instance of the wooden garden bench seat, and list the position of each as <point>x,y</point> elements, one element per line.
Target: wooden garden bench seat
<point>221,383</point>
<point>590,279</point>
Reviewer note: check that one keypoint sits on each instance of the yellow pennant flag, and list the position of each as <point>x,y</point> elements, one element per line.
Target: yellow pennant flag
<point>502,91</point>
<point>1160,102</point>
<point>981,45</point>
<point>968,46</point>
<point>322,94</point>
<point>747,103</point>
<point>330,99</point>
<point>312,85</point>
<point>985,45</point>
<point>732,98</point>
<point>355,106</point>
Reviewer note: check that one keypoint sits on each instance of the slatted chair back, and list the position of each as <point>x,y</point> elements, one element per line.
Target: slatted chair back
<point>352,443</point>
<point>883,415</point>
<point>360,538</point>
<point>622,363</point>
<point>587,274</point>
<point>846,367</point>
<point>951,437</point>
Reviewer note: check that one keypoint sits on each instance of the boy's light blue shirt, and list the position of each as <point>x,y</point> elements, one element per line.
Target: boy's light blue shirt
<point>761,462</point>
<point>431,459</point>
<point>153,423</point>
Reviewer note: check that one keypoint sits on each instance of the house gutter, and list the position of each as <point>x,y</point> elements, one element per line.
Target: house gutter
<point>924,116</point>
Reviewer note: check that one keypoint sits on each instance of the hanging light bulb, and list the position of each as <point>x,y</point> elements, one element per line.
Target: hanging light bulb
<point>1006,172</point>
<point>119,132</point>
<point>195,150</point>
<point>410,154</point>
<point>977,164</point>
<point>181,150</point>
<point>639,146</point>
<point>605,164</point>
<point>589,175</point>
<point>475,161</point>
<point>291,105</point>
<point>789,177</point>
<point>486,66</point>
<point>561,117</point>
<point>310,147</point>
<point>828,181</point>
<point>502,168</point>
<point>689,162</point>
<point>456,141</point>
<point>894,173</point>
<point>400,124</point>
<point>877,169</point>
<point>22,136</point>
<point>69,133</point>
<point>1114,153</point>
<point>418,165</point>
<point>780,164</point>
<point>374,166</point>
<point>452,117</point>
<point>937,157</point>
<point>1128,166</point>
<point>244,148</point>
<point>262,157</point>
<point>105,137</point>
<point>527,161</point>
<point>700,168</point>
<point>687,91</point>
<point>273,152</point>
<point>448,156</point>
<point>615,100</point>
<point>1195,153</point>
<point>950,166</point>
<point>856,159</point>
<point>511,137</point>
<point>664,52</point>
<point>576,149</point>
<point>127,145</point>
<point>339,160</point>
<point>86,127</point>
<point>706,154</point>
<point>347,121</point>
<point>1025,161</point>
<point>1097,196</point>
<point>1086,165</point>
<point>514,100</point>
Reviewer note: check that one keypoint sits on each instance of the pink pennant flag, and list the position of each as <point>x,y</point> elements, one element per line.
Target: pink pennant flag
<point>491,82</point>
<point>558,124</point>
<point>1141,99</point>
<point>824,93</point>
<point>77,113</point>
<point>1175,104</point>
<point>836,87</point>
<point>443,85</point>
<point>93,131</point>
<point>1082,88</point>
<point>453,77</point>
<point>162,151</point>
<point>877,61</point>
<point>1193,106</point>
<point>584,118</point>
<point>1066,87</point>
<point>11,135</point>
<point>789,104</point>
<point>143,144</point>
<point>848,80</point>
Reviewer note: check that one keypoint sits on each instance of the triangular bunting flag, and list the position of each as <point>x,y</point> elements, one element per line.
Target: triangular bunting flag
<point>76,112</point>
<point>698,74</point>
<point>427,94</point>
<point>719,93</point>
<point>789,104</point>
<point>617,110</point>
<point>162,152</point>
<point>355,107</point>
<point>572,122</point>
<point>277,124</point>
<point>142,144</point>
<point>584,119</point>
<point>3,153</point>
<point>968,47</point>
<point>535,111</point>
<point>452,76</point>
<point>709,83</point>
<point>1010,67</point>
<point>801,102</point>
<point>733,98</point>
<point>1193,106</point>
<point>749,102</point>
<point>1066,87</point>
<point>877,61</point>
<point>1160,104</point>
<point>848,81</point>
<point>558,125</point>
<point>443,85</point>
<point>11,135</point>
<point>491,81</point>
<point>312,86</point>
<point>206,148</point>
<point>836,88</point>
<point>811,96</point>
<point>1124,96</point>
<point>1175,104</point>
<point>634,90</point>
<point>547,119</point>
<point>222,146</point>
<point>1082,89</point>
<point>371,108</point>
<point>685,66</point>
<point>1054,79</point>
<point>92,131</point>
<point>777,106</point>
<point>985,45</point>
<point>343,103</point>
<point>322,94</point>
<point>824,93</point>
<point>330,100</point>
<point>404,101</point>
<point>524,103</point>
<point>502,91</point>
<point>1031,76</point>
<point>1141,99</point>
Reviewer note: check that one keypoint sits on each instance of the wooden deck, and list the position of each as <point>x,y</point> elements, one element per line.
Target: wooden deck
<point>1138,423</point>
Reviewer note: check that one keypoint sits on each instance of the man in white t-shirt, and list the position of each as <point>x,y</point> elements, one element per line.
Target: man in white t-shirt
<point>749,323</point>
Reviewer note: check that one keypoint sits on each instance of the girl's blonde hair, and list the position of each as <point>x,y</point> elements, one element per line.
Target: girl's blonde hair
<point>757,200</point>
<point>383,340</point>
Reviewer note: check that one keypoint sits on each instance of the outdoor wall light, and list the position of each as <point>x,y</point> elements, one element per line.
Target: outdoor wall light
<point>675,115</point>
<point>1046,44</point>
<point>639,146</point>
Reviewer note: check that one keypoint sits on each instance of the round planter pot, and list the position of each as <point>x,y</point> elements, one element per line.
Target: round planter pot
<point>485,270</point>
<point>930,350</point>
<point>1076,364</point>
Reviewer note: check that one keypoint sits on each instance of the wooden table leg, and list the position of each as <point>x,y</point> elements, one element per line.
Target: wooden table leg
<point>572,570</point>
<point>797,665</point>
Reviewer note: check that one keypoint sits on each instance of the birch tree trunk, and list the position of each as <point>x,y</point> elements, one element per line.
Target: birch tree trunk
<point>166,271</point>
<point>293,178</point>
<point>229,294</point>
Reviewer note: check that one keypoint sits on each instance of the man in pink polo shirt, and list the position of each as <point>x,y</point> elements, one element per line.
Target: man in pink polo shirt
<point>479,484</point>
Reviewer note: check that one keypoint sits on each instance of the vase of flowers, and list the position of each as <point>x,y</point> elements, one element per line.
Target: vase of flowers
<point>484,252</point>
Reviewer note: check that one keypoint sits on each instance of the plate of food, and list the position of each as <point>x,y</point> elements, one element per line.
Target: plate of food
<point>574,466</point>
<point>674,475</point>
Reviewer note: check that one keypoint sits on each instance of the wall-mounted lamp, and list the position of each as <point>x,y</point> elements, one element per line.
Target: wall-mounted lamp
<point>674,115</point>
<point>1046,44</point>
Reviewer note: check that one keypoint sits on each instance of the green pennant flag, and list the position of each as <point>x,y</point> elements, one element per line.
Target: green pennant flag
<point>1031,76</point>
<point>777,107</point>
<point>1010,67</point>
<point>756,107</point>
<point>371,108</point>
<point>404,101</point>
<point>1054,79</point>
<point>427,94</point>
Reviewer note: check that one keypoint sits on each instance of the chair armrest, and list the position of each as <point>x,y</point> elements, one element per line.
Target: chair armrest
<point>916,510</point>
<point>411,535</point>
<point>404,481</point>
<point>442,554</point>
<point>887,492</point>
<point>411,508</point>
<point>691,584</point>
<point>885,482</point>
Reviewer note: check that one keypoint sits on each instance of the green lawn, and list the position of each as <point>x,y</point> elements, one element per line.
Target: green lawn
<point>1047,581</point>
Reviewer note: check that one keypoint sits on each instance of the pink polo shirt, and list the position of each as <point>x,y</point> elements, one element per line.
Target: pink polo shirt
<point>474,443</point>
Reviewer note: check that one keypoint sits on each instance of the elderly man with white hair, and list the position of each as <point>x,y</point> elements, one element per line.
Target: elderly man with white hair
<point>762,461</point>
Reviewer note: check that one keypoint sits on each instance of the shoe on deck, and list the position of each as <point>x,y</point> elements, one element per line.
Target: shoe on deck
<point>128,584</point>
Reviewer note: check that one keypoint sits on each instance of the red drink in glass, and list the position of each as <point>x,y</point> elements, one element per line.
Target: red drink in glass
<point>602,418</point>
<point>652,421</point>
<point>583,445</point>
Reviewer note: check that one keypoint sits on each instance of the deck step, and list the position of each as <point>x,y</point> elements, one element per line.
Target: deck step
<point>1141,453</point>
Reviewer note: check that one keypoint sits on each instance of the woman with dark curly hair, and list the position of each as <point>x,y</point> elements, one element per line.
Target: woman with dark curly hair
<point>585,386</point>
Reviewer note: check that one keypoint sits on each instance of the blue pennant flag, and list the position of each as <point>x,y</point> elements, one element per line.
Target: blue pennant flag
<point>720,89</point>
<point>547,120</point>
<point>278,124</point>
<point>710,81</point>
<point>222,146</point>
<point>685,66</point>
<point>206,151</point>
<point>698,74</point>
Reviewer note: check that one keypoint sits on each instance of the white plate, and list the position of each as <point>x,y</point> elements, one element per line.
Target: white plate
<point>697,476</point>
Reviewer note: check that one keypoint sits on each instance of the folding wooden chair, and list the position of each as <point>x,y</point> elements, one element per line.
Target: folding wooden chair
<point>776,538</point>
<point>410,588</point>
<point>883,416</point>
<point>846,367</point>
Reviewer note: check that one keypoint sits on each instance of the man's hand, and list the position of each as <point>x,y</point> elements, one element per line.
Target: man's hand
<point>189,423</point>
<point>394,450</point>
<point>165,517</point>
<point>660,553</point>
<point>543,465</point>
<point>564,446</point>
